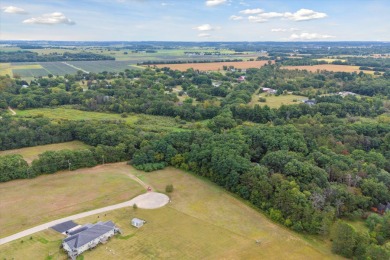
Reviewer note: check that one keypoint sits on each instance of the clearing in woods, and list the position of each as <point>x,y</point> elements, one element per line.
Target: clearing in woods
<point>213,65</point>
<point>276,101</point>
<point>203,221</point>
<point>31,153</point>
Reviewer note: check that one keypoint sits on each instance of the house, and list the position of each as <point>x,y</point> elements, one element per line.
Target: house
<point>88,237</point>
<point>269,90</point>
<point>241,79</point>
<point>65,226</point>
<point>310,102</point>
<point>216,83</point>
<point>346,93</point>
<point>136,222</point>
<point>382,208</point>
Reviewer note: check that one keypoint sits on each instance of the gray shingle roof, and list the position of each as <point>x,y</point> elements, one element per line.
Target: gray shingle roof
<point>62,227</point>
<point>89,234</point>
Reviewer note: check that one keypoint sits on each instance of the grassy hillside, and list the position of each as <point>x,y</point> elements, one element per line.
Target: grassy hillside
<point>202,222</point>
<point>31,153</point>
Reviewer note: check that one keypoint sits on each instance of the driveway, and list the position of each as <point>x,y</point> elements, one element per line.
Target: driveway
<point>149,200</point>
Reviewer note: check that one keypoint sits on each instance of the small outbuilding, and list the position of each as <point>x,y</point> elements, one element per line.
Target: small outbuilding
<point>136,222</point>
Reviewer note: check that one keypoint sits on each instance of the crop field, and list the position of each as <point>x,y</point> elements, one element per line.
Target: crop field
<point>49,197</point>
<point>211,224</point>
<point>58,68</point>
<point>146,122</point>
<point>31,153</point>
<point>20,68</point>
<point>328,67</point>
<point>214,65</point>
<point>104,65</point>
<point>276,101</point>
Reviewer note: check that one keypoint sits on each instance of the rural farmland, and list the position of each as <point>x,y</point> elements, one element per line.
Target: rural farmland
<point>214,65</point>
<point>211,224</point>
<point>328,67</point>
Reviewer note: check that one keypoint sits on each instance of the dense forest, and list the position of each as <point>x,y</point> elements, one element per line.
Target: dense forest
<point>308,167</point>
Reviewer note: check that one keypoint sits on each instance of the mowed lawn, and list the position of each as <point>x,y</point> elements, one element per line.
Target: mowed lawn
<point>276,101</point>
<point>31,153</point>
<point>202,222</point>
<point>27,203</point>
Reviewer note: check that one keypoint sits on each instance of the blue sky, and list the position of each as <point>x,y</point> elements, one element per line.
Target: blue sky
<point>195,20</point>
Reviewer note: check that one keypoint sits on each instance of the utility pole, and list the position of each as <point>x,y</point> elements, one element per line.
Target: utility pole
<point>69,164</point>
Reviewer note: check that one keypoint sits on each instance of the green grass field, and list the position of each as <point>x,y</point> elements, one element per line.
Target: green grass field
<point>146,122</point>
<point>276,101</point>
<point>27,203</point>
<point>202,222</point>
<point>31,153</point>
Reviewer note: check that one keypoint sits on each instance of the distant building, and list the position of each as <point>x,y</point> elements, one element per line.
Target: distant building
<point>216,83</point>
<point>88,237</point>
<point>269,90</point>
<point>310,102</point>
<point>136,222</point>
<point>241,79</point>
<point>346,93</point>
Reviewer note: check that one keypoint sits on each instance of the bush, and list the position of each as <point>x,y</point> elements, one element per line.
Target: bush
<point>169,188</point>
<point>262,99</point>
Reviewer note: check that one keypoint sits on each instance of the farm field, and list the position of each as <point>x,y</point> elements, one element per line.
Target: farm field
<point>328,67</point>
<point>146,122</point>
<point>213,65</point>
<point>210,224</point>
<point>49,197</point>
<point>276,101</point>
<point>31,153</point>
<point>19,68</point>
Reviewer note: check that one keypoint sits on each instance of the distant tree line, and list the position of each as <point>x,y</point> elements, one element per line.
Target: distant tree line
<point>28,56</point>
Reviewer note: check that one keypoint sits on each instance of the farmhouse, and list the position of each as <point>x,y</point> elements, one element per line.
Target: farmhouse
<point>88,237</point>
<point>269,90</point>
<point>136,222</point>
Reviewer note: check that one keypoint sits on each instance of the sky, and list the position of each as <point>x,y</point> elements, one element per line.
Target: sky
<point>195,20</point>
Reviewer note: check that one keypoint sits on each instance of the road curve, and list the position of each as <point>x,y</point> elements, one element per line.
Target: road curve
<point>149,200</point>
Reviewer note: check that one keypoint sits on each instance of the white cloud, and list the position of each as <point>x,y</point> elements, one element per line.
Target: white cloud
<point>252,11</point>
<point>278,30</point>
<point>285,30</point>
<point>215,2</point>
<point>14,10</point>
<point>235,18</point>
<point>204,27</point>
<point>204,35</point>
<point>310,36</point>
<point>50,19</point>
<point>257,19</point>
<point>304,15</point>
<point>166,4</point>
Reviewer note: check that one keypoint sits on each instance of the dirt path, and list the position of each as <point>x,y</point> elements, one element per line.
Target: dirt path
<point>12,111</point>
<point>77,68</point>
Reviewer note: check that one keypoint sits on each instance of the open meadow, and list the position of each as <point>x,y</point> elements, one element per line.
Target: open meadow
<point>202,222</point>
<point>328,67</point>
<point>31,153</point>
<point>274,101</point>
<point>30,202</point>
<point>214,65</point>
<point>146,122</point>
